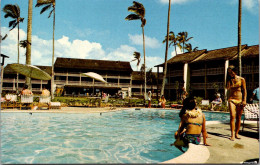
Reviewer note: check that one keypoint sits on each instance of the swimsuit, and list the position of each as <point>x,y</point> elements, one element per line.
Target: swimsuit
<point>191,138</point>
<point>236,102</point>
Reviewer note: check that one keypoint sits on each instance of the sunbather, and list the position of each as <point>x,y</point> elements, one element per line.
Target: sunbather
<point>216,102</point>
<point>236,86</point>
<point>192,124</point>
<point>45,92</point>
<point>26,91</point>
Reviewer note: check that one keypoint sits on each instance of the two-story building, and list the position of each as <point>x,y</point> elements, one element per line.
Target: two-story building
<point>203,72</point>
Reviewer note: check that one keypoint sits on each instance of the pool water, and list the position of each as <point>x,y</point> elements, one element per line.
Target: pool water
<point>129,136</point>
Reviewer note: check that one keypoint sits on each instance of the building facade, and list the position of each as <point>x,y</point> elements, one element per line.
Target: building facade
<point>69,81</point>
<point>203,73</point>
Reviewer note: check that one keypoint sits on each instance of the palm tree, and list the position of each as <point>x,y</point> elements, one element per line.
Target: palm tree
<point>166,51</point>
<point>139,14</point>
<point>13,11</point>
<point>46,6</point>
<point>183,38</point>
<point>29,40</point>
<point>137,57</point>
<point>173,40</point>
<point>239,38</point>
<point>24,43</point>
<point>188,47</point>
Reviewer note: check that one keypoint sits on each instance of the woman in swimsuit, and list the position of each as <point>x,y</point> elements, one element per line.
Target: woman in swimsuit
<point>236,87</point>
<point>192,124</point>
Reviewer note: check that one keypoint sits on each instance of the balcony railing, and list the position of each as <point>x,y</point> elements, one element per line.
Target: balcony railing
<point>250,69</point>
<point>209,71</point>
<point>175,73</point>
<point>8,80</point>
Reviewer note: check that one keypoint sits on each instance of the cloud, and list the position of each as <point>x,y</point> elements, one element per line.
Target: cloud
<point>250,5</point>
<point>173,53</point>
<point>64,47</point>
<point>42,49</point>
<point>175,1</point>
<point>149,42</point>
<point>123,53</point>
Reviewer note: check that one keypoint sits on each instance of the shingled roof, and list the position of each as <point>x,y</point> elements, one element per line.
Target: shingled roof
<point>185,57</point>
<point>92,64</point>
<point>249,52</point>
<point>219,54</point>
<point>8,70</point>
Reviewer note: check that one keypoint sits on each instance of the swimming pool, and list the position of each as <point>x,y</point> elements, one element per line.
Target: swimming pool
<point>129,136</point>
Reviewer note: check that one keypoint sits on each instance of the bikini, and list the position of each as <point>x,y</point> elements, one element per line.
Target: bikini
<point>192,138</point>
<point>234,101</point>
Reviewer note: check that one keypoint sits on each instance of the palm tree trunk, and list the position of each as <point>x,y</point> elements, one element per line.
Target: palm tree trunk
<point>175,47</point>
<point>144,64</point>
<point>239,38</point>
<point>166,52</point>
<point>52,65</point>
<point>18,49</point>
<point>29,39</point>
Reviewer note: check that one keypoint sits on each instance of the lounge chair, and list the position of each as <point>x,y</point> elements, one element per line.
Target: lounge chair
<point>26,100</point>
<point>54,105</point>
<point>251,112</point>
<point>10,101</point>
<point>205,102</point>
<point>44,101</point>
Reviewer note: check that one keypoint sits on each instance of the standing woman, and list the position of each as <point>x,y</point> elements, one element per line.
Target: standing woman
<point>236,87</point>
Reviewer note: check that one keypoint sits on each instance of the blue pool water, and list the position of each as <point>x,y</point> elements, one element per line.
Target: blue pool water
<point>129,136</point>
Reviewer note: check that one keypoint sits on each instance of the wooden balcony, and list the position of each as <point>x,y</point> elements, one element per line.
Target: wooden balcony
<point>175,73</point>
<point>71,74</point>
<point>6,80</point>
<point>209,71</point>
<point>250,69</point>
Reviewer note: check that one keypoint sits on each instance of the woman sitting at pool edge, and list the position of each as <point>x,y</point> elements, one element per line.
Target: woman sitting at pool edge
<point>192,124</point>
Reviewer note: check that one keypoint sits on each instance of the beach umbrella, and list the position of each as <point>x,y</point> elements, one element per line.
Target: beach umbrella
<point>30,71</point>
<point>95,76</point>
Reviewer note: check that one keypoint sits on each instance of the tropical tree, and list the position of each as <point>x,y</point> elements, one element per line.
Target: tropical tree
<point>137,57</point>
<point>49,4</point>
<point>166,51</point>
<point>13,11</point>
<point>183,38</point>
<point>28,60</point>
<point>24,43</point>
<point>174,40</point>
<point>139,14</point>
<point>188,47</point>
<point>239,38</point>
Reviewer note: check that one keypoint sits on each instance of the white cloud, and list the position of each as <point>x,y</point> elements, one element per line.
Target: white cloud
<point>250,5</point>
<point>175,1</point>
<point>173,53</point>
<point>149,42</point>
<point>42,50</point>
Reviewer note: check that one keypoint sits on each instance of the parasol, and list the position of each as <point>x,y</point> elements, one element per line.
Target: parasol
<point>30,71</point>
<point>94,76</point>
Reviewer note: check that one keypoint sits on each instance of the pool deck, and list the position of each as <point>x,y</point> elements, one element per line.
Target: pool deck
<point>222,150</point>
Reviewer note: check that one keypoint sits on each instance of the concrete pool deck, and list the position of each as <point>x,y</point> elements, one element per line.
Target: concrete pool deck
<point>222,150</point>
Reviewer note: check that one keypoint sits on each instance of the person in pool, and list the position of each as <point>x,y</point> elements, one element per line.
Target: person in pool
<point>192,124</point>
<point>236,87</point>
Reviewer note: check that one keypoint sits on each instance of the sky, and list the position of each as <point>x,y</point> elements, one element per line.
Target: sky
<point>97,29</point>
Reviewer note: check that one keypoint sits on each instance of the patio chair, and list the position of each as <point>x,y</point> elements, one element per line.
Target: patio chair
<point>205,102</point>
<point>13,101</point>
<point>26,100</point>
<point>10,101</point>
<point>251,112</point>
<point>44,101</point>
